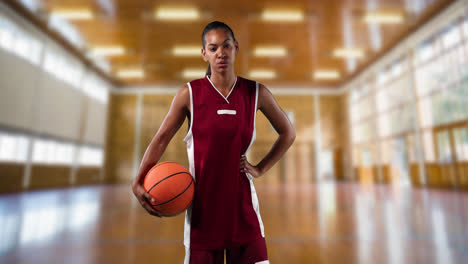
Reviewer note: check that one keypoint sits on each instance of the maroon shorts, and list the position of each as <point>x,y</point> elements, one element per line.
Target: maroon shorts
<point>254,252</point>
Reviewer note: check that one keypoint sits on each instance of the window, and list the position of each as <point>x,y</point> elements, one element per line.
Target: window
<point>366,155</point>
<point>425,109</point>
<point>397,121</point>
<point>395,93</point>
<point>382,100</point>
<point>461,143</point>
<point>21,46</point>
<point>386,152</point>
<point>429,151</point>
<point>96,88</point>
<point>430,77</point>
<point>90,156</point>
<point>63,67</point>
<point>397,69</point>
<point>354,94</point>
<point>382,77</point>
<point>7,30</point>
<point>425,51</point>
<point>441,84</point>
<point>67,30</point>
<point>19,42</point>
<point>459,103</point>
<point>414,148</point>
<point>355,115</point>
<point>443,146</point>
<point>362,109</point>
<point>13,147</point>
<point>453,65</point>
<point>27,47</point>
<point>451,36</point>
<point>444,107</point>
<point>360,91</point>
<point>364,131</point>
<point>462,62</point>
<point>52,152</point>
<point>326,163</point>
<point>465,28</point>
<point>384,125</point>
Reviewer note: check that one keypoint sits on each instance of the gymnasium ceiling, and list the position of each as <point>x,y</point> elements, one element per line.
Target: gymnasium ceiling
<point>309,44</point>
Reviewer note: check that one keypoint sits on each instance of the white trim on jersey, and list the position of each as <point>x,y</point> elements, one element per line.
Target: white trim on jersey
<point>226,112</point>
<point>253,193</point>
<point>256,206</point>
<point>191,158</point>
<point>232,88</point>
<point>263,262</point>
<point>189,132</point>
<point>187,256</point>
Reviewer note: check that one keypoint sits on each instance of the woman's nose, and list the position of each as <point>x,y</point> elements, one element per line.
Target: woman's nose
<point>221,52</point>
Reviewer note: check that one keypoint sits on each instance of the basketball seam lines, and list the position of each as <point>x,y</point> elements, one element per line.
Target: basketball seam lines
<point>165,162</point>
<point>174,197</point>
<point>157,165</point>
<point>165,179</point>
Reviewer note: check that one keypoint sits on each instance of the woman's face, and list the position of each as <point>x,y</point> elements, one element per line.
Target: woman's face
<point>220,50</point>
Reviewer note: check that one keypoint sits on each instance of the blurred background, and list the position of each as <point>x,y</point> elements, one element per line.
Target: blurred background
<point>377,91</point>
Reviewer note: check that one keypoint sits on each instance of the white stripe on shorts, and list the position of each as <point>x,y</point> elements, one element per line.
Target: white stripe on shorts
<point>187,255</point>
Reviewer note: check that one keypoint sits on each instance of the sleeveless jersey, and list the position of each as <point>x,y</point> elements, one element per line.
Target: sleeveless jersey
<point>225,210</point>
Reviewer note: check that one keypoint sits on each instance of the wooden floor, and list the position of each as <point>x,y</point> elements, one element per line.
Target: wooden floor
<point>319,223</point>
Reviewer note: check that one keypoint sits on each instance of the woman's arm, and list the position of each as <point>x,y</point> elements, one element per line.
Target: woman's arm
<point>280,122</point>
<point>179,109</point>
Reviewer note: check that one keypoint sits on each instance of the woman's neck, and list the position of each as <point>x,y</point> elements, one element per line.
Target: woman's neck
<point>223,82</point>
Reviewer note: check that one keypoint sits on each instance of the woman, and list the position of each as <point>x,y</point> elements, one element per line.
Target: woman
<point>221,110</point>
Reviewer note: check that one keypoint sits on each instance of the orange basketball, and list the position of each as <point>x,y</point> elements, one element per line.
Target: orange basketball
<point>171,185</point>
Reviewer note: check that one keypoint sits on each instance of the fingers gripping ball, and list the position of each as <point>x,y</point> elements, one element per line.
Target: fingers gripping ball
<point>171,186</point>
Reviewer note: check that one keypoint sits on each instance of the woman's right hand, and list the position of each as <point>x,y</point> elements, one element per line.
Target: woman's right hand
<point>145,199</point>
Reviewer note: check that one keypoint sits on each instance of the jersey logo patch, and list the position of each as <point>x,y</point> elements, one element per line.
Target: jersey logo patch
<point>226,112</point>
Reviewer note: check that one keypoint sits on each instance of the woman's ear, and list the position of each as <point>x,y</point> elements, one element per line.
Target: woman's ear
<point>203,52</point>
<point>236,44</point>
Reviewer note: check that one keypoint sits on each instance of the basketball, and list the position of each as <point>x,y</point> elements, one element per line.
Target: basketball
<point>172,187</point>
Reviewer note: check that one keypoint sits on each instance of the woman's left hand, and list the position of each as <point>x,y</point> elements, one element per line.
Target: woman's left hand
<point>246,167</point>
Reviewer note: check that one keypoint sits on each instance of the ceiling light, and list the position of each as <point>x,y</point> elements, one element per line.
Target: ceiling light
<point>283,15</point>
<point>186,51</point>
<point>270,52</point>
<point>262,74</point>
<point>108,51</point>
<point>348,53</point>
<point>131,74</point>
<point>326,75</point>
<point>72,14</point>
<point>194,73</point>
<point>383,18</point>
<point>173,13</point>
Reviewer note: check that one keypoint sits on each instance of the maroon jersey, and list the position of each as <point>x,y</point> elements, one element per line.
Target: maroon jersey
<point>225,211</point>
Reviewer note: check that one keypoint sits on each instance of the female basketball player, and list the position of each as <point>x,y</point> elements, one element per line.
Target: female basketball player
<point>221,109</point>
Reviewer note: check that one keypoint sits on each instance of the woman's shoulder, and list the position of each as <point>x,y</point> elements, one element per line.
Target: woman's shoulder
<point>197,82</point>
<point>252,83</point>
<point>245,80</point>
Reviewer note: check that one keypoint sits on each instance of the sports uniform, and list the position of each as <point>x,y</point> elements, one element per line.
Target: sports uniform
<point>225,212</point>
